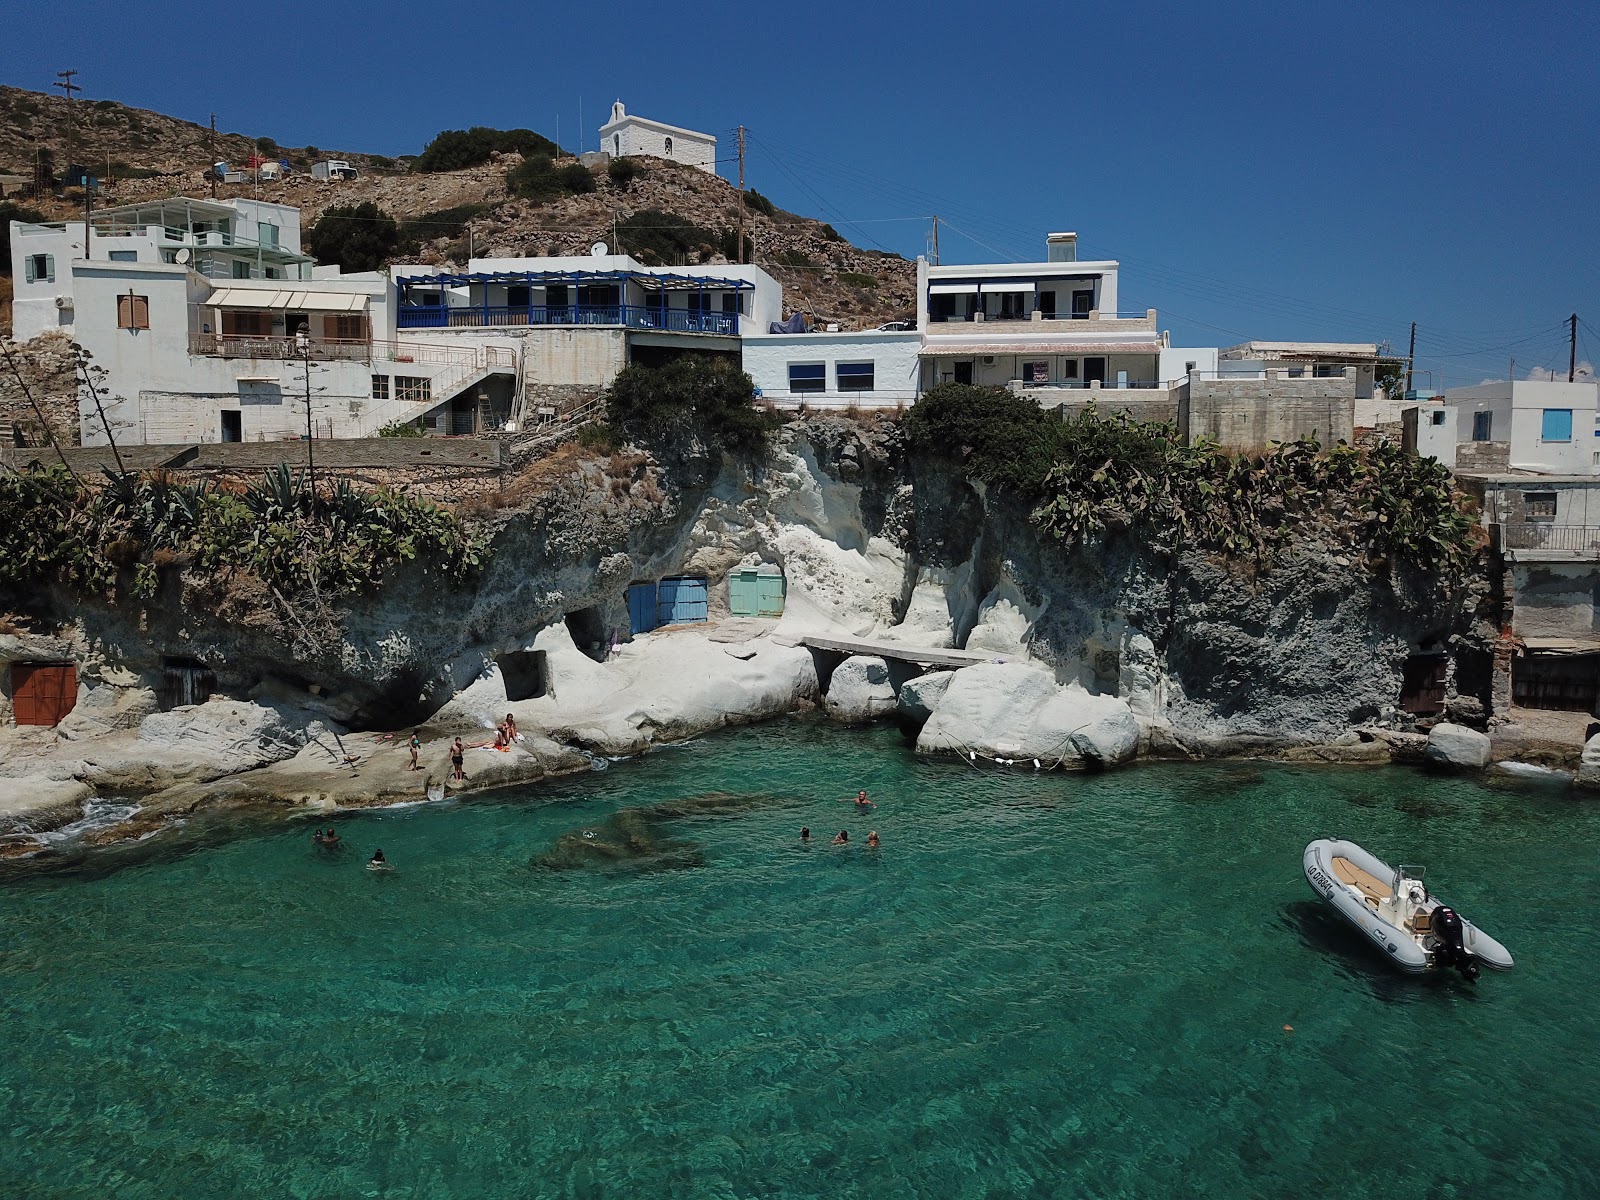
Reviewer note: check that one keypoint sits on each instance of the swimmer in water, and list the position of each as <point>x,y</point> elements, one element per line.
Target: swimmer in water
<point>843,839</point>
<point>377,862</point>
<point>861,799</point>
<point>872,839</point>
<point>327,840</point>
<point>805,833</point>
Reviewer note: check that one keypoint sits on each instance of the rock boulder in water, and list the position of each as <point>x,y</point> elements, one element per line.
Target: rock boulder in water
<point>1589,767</point>
<point>920,696</point>
<point>1457,747</point>
<point>1011,710</point>
<point>860,689</point>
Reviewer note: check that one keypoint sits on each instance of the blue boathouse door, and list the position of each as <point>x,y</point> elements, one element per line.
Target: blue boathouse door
<point>641,607</point>
<point>680,599</point>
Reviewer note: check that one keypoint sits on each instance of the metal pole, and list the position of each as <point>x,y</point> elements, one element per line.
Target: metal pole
<point>311,443</point>
<point>1572,354</point>
<point>1411,356</point>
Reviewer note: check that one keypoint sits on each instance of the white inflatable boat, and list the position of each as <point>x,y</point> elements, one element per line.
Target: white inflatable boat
<point>1415,931</point>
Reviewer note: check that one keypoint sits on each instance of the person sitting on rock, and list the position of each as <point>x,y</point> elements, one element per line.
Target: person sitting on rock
<point>511,729</point>
<point>500,738</point>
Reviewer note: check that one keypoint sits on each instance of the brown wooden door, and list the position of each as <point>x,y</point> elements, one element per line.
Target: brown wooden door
<point>43,693</point>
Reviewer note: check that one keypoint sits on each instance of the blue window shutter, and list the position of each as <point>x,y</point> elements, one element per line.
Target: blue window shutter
<point>1557,425</point>
<point>28,263</point>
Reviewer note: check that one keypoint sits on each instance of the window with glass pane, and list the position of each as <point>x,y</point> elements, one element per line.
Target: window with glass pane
<point>1482,423</point>
<point>855,377</point>
<point>380,387</point>
<point>808,377</point>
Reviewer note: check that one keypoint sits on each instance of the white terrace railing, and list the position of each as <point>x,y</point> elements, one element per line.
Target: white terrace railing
<point>1583,540</point>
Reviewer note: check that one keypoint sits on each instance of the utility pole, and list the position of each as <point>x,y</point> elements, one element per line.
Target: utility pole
<point>1411,357</point>
<point>741,194</point>
<point>88,200</point>
<point>936,239</point>
<point>1572,352</point>
<point>213,144</point>
<point>64,82</point>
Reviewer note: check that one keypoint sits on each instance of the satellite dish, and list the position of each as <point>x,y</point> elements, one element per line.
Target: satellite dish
<point>183,255</point>
<point>599,250</point>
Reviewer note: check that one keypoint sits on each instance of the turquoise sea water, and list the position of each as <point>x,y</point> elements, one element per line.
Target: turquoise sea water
<point>1058,985</point>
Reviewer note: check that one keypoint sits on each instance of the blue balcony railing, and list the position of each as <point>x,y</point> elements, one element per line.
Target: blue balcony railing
<point>633,316</point>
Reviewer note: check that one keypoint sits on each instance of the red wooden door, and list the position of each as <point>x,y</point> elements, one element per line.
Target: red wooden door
<point>43,693</point>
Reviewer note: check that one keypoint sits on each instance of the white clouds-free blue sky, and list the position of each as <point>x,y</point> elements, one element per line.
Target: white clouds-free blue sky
<point>1271,170</point>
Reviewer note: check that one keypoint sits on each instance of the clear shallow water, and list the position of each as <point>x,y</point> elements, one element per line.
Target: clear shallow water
<point>1040,986</point>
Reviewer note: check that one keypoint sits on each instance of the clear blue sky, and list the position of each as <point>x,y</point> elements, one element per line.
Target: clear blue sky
<point>1270,170</point>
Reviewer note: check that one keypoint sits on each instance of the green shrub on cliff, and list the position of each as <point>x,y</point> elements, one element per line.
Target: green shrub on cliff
<point>696,394</point>
<point>99,540</point>
<point>1090,472</point>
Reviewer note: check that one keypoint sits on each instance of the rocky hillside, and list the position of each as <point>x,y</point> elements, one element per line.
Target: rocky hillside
<point>457,214</point>
<point>135,141</point>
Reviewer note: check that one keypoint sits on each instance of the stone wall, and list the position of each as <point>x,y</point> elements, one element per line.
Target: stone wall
<point>335,456</point>
<point>46,365</point>
<point>1483,458</point>
<point>1251,414</point>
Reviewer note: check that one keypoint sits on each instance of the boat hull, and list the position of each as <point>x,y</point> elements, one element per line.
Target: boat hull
<point>1399,945</point>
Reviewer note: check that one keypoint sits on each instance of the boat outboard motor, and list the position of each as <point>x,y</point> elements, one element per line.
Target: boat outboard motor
<point>1451,951</point>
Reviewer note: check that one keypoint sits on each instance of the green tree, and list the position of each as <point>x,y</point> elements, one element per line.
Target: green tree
<point>361,237</point>
<point>706,395</point>
<point>458,149</point>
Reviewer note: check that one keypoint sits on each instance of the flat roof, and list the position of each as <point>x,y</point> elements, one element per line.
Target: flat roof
<point>986,270</point>
<point>1346,349</point>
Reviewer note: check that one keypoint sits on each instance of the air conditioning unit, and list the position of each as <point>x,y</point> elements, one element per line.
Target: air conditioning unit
<point>63,301</point>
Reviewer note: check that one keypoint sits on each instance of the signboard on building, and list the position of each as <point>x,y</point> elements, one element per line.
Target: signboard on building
<point>1036,372</point>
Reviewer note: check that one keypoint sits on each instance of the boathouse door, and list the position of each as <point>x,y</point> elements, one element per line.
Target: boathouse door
<point>681,600</point>
<point>43,693</point>
<point>641,607</point>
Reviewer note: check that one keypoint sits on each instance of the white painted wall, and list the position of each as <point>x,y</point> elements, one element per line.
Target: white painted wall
<point>1175,362</point>
<point>1438,431</point>
<point>625,135</point>
<point>894,357</point>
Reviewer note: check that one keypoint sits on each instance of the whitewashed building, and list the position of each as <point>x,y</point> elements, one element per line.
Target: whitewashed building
<point>1033,325</point>
<point>624,135</point>
<point>1535,425</point>
<point>862,369</point>
<point>219,239</point>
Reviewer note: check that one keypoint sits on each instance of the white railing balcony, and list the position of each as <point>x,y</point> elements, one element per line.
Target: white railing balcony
<point>1570,541</point>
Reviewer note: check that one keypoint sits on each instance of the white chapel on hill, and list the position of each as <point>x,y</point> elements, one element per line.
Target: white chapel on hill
<point>624,135</point>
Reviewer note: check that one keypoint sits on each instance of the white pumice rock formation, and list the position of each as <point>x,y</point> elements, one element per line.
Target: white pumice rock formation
<point>1457,747</point>
<point>860,690</point>
<point>920,696</point>
<point>1017,711</point>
